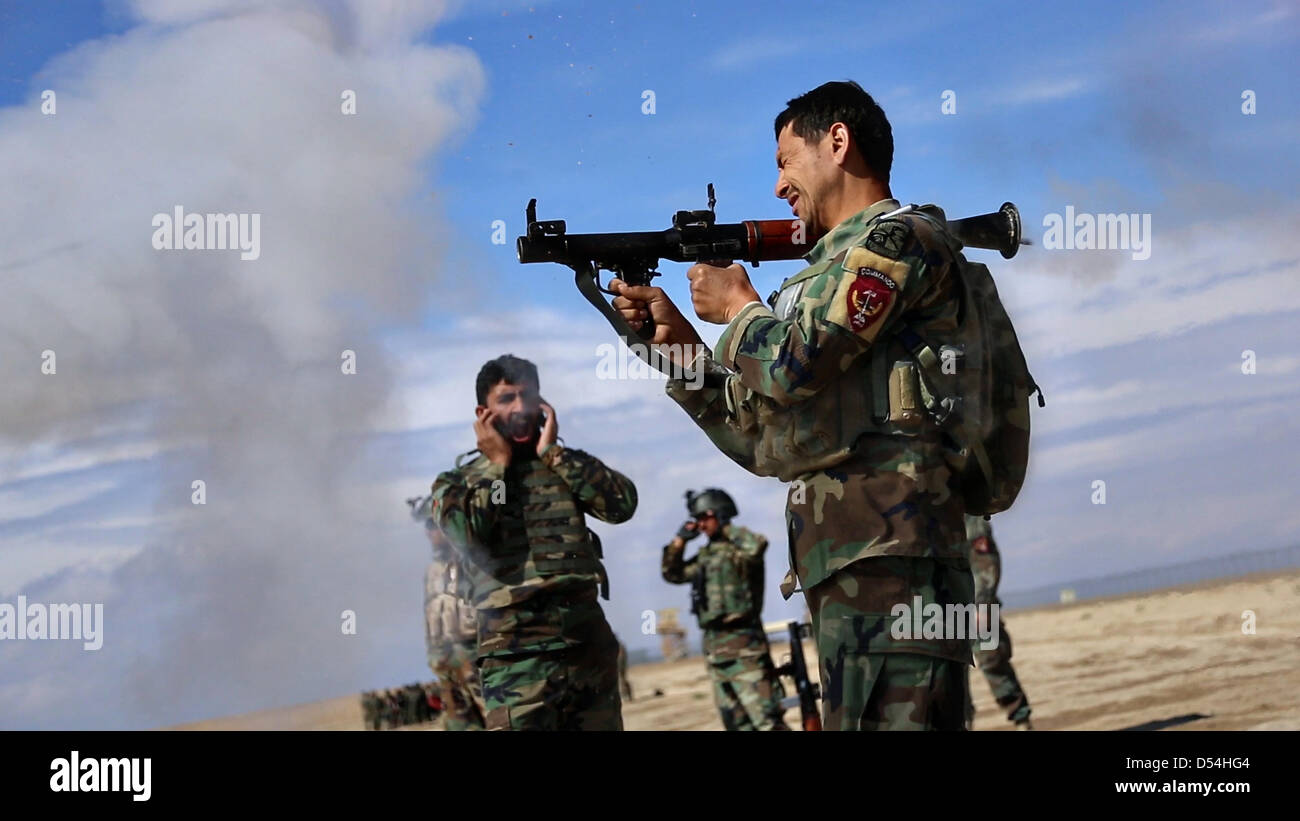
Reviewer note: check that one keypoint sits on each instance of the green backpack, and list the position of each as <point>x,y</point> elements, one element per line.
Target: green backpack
<point>977,389</point>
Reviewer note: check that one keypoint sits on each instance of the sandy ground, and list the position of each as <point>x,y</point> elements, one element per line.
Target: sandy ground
<point>1172,659</point>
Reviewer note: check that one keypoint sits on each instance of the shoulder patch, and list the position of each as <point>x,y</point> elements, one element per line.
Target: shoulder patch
<point>889,238</point>
<point>868,288</point>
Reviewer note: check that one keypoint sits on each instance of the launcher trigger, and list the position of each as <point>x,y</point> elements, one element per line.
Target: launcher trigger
<point>639,276</point>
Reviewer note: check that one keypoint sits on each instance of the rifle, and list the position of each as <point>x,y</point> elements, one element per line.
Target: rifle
<point>699,598</point>
<point>808,693</point>
<point>696,236</point>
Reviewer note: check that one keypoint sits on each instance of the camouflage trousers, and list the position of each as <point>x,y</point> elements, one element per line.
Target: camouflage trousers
<point>458,686</point>
<point>573,688</point>
<point>746,688</point>
<point>995,664</point>
<point>868,536</point>
<point>624,686</point>
<point>869,679</point>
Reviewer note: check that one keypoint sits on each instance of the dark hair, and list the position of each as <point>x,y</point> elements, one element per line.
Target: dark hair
<point>843,102</point>
<point>506,368</point>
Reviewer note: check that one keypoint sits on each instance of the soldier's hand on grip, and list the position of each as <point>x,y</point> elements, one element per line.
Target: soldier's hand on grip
<point>719,290</point>
<point>636,302</point>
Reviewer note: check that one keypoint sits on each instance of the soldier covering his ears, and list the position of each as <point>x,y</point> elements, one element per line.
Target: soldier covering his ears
<point>517,512</point>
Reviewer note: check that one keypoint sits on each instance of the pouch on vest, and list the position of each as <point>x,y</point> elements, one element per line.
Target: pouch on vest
<point>448,616</point>
<point>433,620</point>
<point>600,554</point>
<point>905,406</point>
<point>976,388</point>
<point>740,406</point>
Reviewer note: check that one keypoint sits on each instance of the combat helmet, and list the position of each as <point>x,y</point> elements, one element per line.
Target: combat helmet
<point>711,499</point>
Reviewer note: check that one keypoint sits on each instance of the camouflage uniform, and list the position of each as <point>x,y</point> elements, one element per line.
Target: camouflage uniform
<point>986,566</point>
<point>547,657</point>
<point>727,575</point>
<point>820,389</point>
<point>624,686</point>
<point>370,711</point>
<point>451,640</point>
<point>413,696</point>
<point>392,709</point>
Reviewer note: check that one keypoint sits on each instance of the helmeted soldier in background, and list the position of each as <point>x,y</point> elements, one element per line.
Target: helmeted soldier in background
<point>450,628</point>
<point>726,577</point>
<point>995,664</point>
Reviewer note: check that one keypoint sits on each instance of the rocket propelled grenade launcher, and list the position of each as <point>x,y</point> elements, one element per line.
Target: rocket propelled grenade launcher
<point>697,236</point>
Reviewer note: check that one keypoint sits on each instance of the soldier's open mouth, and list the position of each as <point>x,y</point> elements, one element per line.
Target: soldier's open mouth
<point>521,429</point>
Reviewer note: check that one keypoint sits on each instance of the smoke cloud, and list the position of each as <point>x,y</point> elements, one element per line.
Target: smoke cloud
<point>235,370</point>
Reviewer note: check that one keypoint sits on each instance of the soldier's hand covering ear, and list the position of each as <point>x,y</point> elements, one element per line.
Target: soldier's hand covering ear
<point>550,428</point>
<point>490,441</point>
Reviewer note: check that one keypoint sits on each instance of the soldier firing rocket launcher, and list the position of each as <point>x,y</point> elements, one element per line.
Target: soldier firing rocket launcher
<point>696,236</point>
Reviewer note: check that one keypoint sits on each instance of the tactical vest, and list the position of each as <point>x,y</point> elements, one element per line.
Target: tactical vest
<point>880,393</point>
<point>728,588</point>
<point>877,394</point>
<point>448,614</point>
<point>541,532</point>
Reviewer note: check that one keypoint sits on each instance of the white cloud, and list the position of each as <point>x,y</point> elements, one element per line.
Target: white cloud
<point>29,560</point>
<point>1196,276</point>
<point>1160,390</point>
<point>1271,365</point>
<point>1041,91</point>
<point>436,382</point>
<point>1239,26</point>
<point>48,459</point>
<point>24,503</point>
<point>754,50</point>
<point>209,366</point>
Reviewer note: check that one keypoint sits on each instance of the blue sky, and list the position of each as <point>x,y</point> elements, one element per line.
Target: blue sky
<point>377,239</point>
